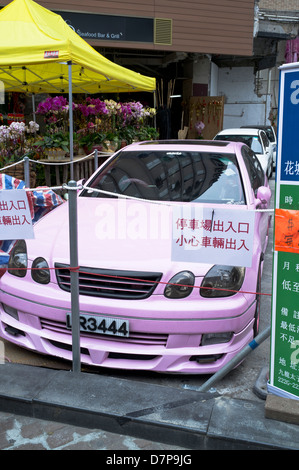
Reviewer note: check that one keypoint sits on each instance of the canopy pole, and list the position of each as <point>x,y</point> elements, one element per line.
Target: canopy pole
<point>71,130</point>
<point>33,107</point>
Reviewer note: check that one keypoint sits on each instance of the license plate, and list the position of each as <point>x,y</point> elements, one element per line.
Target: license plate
<point>100,325</point>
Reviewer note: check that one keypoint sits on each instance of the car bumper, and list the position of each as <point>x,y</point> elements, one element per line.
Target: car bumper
<point>165,336</point>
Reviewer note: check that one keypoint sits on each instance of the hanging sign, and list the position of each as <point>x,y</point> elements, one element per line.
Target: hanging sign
<point>287,230</point>
<point>15,217</point>
<point>203,235</point>
<point>284,360</point>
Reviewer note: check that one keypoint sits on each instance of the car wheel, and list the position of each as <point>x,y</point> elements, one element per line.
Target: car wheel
<point>258,305</point>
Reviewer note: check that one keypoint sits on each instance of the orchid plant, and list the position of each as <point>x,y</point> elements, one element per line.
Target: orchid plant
<point>96,120</point>
<point>16,141</point>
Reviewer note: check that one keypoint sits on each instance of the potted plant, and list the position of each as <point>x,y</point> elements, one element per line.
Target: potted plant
<point>55,145</point>
<point>90,140</point>
<point>147,133</point>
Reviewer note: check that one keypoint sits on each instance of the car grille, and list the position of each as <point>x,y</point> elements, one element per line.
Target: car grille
<point>136,337</point>
<point>109,283</point>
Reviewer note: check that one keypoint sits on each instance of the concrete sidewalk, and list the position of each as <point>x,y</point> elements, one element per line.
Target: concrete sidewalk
<point>183,418</point>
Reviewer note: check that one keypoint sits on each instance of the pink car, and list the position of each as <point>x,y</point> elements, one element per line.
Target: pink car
<point>142,307</point>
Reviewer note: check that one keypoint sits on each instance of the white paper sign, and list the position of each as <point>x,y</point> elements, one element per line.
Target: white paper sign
<point>203,235</point>
<point>15,217</point>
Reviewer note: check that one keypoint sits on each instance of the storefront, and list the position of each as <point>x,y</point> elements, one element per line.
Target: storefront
<point>164,40</point>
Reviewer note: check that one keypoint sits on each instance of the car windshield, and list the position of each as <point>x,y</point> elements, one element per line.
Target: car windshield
<point>178,176</point>
<point>252,141</point>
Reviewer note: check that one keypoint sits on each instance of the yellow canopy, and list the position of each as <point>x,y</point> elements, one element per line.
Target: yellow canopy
<point>36,46</point>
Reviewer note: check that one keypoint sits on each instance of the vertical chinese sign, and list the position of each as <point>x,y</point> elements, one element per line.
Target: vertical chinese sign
<point>15,216</point>
<point>284,364</point>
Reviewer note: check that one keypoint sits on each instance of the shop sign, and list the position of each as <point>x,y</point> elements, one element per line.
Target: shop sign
<point>110,27</point>
<point>284,358</point>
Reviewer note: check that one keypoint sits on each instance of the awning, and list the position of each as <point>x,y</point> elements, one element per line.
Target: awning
<point>36,47</point>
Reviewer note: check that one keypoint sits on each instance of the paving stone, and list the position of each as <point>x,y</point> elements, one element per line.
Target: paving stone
<point>282,409</point>
<point>26,433</point>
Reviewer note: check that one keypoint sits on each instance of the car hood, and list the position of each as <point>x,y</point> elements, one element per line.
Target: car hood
<point>112,234</point>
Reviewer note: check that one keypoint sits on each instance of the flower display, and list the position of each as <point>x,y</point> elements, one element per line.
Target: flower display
<point>55,112</point>
<point>16,141</point>
<point>52,105</point>
<point>97,121</point>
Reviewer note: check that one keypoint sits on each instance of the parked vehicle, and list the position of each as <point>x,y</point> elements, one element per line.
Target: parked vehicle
<point>141,307</point>
<point>257,140</point>
<point>271,136</point>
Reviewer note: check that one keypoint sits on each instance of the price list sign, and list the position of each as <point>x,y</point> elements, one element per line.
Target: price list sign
<point>284,363</point>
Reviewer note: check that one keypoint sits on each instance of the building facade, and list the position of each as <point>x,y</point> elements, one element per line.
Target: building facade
<point>218,48</point>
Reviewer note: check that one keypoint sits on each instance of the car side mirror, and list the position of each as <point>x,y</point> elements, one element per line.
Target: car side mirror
<point>80,183</point>
<point>263,197</point>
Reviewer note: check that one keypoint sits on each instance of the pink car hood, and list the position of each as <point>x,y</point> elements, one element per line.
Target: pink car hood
<point>112,234</point>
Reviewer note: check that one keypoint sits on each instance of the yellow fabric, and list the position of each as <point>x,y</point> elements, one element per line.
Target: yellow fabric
<point>30,33</point>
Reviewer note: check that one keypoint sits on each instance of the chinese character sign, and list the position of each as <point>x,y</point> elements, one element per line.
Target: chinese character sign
<point>287,230</point>
<point>15,217</point>
<point>284,363</point>
<point>288,125</point>
<point>285,326</point>
<point>203,235</point>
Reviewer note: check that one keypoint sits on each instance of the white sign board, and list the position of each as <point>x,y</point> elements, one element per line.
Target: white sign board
<point>213,236</point>
<point>15,217</point>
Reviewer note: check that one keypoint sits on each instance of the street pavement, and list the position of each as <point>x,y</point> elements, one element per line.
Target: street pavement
<point>27,433</point>
<point>65,409</point>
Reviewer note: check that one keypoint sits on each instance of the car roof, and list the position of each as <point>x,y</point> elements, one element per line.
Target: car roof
<point>240,131</point>
<point>186,144</point>
<point>258,126</point>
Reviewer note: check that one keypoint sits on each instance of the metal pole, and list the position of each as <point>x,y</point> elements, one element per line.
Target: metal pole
<point>33,107</point>
<point>236,360</point>
<point>96,161</point>
<point>73,234</point>
<point>26,172</point>
<point>71,130</point>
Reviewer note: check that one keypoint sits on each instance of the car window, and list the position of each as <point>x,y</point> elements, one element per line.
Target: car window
<point>255,171</point>
<point>256,145</point>
<point>268,130</point>
<point>180,176</point>
<point>252,142</point>
<point>265,139</point>
<point>270,134</point>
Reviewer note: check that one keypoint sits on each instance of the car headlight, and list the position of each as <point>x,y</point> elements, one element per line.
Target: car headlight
<point>40,271</point>
<point>17,264</point>
<point>180,285</point>
<point>222,281</point>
